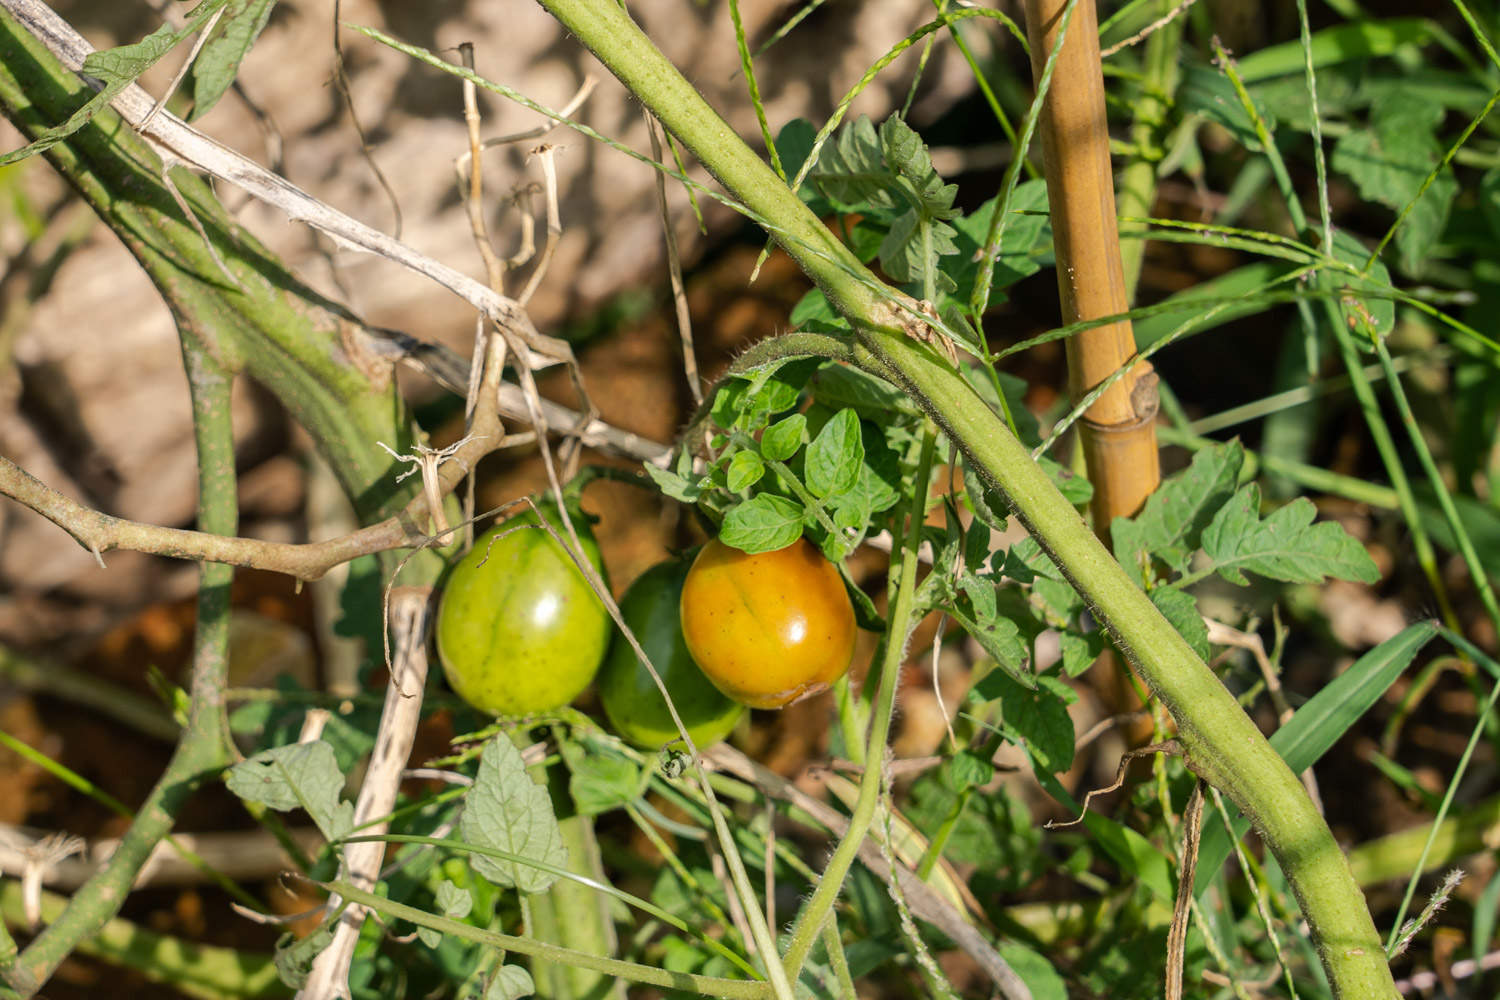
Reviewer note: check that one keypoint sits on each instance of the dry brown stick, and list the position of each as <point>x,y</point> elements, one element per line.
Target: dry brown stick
<point>493,268</point>
<point>1187,867</point>
<point>1117,431</point>
<point>674,269</point>
<point>377,795</point>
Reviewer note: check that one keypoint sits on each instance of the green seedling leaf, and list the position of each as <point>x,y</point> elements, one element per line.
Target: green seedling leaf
<point>452,902</point>
<point>1389,163</point>
<point>300,776</point>
<point>1179,608</point>
<point>1320,723</point>
<point>510,982</point>
<point>506,809</point>
<point>763,523</point>
<point>1171,523</point>
<point>835,455</point>
<point>745,470</point>
<point>781,440</point>
<point>219,60</point>
<point>794,145</point>
<point>1286,546</point>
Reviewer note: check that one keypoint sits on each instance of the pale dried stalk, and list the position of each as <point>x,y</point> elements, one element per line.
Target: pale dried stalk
<point>377,796</point>
<point>197,150</point>
<point>493,268</point>
<point>674,269</point>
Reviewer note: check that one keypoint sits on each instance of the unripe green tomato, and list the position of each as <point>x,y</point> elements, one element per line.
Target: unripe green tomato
<point>769,628</point>
<point>519,629</point>
<point>631,699</point>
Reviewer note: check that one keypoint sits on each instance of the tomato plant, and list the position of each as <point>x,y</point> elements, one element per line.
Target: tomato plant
<point>631,699</point>
<point>767,628</point>
<point>519,629</point>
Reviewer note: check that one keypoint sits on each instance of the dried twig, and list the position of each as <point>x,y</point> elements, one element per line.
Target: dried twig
<point>377,796</point>
<point>1187,870</point>
<point>674,269</point>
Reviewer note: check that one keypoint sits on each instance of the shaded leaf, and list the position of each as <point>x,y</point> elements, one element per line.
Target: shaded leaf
<point>1285,546</point>
<point>219,60</point>
<point>506,809</point>
<point>300,776</point>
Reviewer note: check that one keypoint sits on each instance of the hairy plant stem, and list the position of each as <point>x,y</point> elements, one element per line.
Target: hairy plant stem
<point>1222,744</point>
<point>201,752</point>
<point>908,538</point>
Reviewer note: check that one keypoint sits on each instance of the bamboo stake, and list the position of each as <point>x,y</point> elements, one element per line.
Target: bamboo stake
<point>1117,431</point>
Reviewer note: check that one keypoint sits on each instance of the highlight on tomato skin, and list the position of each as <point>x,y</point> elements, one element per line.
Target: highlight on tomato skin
<point>519,630</point>
<point>769,628</point>
<point>631,700</point>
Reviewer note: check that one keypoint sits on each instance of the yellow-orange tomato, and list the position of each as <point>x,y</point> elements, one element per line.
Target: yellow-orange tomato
<point>769,628</point>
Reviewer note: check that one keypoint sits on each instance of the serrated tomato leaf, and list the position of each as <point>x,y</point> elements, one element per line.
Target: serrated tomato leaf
<point>299,776</point>
<point>507,810</point>
<point>834,457</point>
<point>1171,523</point>
<point>763,523</point>
<point>1285,546</point>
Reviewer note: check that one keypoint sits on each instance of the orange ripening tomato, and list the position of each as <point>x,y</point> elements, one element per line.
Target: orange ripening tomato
<point>769,628</point>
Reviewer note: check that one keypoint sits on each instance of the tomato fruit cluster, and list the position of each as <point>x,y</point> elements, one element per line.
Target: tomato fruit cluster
<point>631,699</point>
<point>767,628</point>
<point>519,629</point>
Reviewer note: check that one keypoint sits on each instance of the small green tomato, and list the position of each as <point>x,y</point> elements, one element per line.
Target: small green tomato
<point>519,630</point>
<point>631,700</point>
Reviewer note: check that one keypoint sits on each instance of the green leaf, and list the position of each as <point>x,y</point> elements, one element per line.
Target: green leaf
<point>835,455</point>
<point>300,776</point>
<point>837,385</point>
<point>1368,301</point>
<point>1320,723</point>
<point>510,982</point>
<point>1023,245</point>
<point>1171,523</point>
<point>219,60</point>
<point>745,470</point>
<point>1207,91</point>
<point>851,171</point>
<point>671,484</point>
<point>506,809</point>
<point>1035,970</point>
<point>452,902</point>
<point>1363,39</point>
<point>986,502</point>
<point>782,439</point>
<point>294,956</point>
<point>600,779</point>
<point>794,145</point>
<point>1179,608</point>
<point>117,68</point>
<point>1390,161</point>
<point>1038,716</point>
<point>762,524</point>
<point>1286,546</point>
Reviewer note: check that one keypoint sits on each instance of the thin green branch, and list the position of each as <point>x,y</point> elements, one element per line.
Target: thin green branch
<point>730,989</point>
<point>201,752</point>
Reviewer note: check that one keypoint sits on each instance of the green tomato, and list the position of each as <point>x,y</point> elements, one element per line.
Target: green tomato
<point>631,699</point>
<point>520,630</point>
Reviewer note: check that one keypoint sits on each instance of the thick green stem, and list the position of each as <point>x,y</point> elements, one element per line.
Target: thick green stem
<point>1222,743</point>
<point>201,752</point>
<point>810,920</point>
